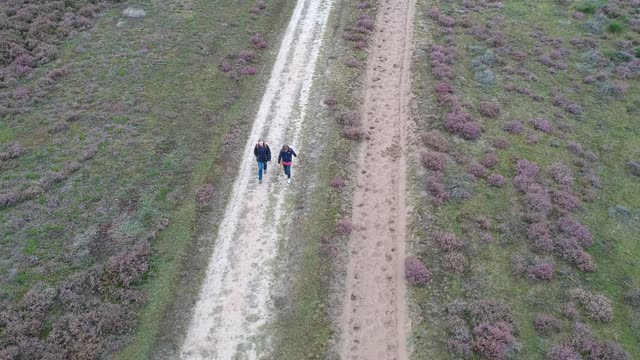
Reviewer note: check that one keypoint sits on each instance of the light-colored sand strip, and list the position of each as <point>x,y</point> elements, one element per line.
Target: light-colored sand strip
<point>234,301</point>
<point>374,321</point>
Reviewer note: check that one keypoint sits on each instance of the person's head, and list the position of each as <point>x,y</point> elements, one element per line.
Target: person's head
<point>260,142</point>
<point>285,147</point>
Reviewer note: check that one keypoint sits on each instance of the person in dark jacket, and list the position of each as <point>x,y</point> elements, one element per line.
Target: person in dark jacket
<point>263,156</point>
<point>286,156</point>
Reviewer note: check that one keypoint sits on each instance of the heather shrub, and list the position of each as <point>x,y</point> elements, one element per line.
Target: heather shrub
<point>58,128</point>
<point>258,41</point>
<point>353,133</point>
<point>463,125</point>
<point>128,267</point>
<point>491,311</point>
<point>246,56</point>
<point>597,306</point>
<point>448,241</point>
<point>349,118</point>
<point>434,161</point>
<point>561,174</point>
<point>443,88</point>
<point>633,298</point>
<point>541,271</point>
<point>330,102</point>
<point>562,351</point>
<point>518,265</point>
<point>496,180</point>
<point>477,170</point>
<point>489,109</point>
<point>547,325</point>
<point>248,70</point>
<point>436,141</point>
<point>489,160</point>
<point>460,340</point>
<point>542,125</point>
<point>607,350</point>
<point>455,262</point>
<point>500,143</point>
<point>204,194</point>
<point>344,226</point>
<point>493,340</point>
<point>225,66</point>
<point>416,272</point>
<point>337,182</point>
<point>572,228</point>
<point>565,201</point>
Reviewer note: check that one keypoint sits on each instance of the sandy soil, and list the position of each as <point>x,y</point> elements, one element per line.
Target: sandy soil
<point>374,321</point>
<point>234,301</point>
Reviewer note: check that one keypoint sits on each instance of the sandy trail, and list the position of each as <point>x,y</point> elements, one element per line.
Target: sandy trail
<point>234,300</point>
<point>374,321</point>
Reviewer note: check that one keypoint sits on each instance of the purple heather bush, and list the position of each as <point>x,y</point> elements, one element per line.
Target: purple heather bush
<point>477,170</point>
<point>434,161</point>
<point>416,271</point>
<point>337,182</point>
<point>128,267</point>
<point>538,233</point>
<point>513,127</point>
<point>572,228</point>
<point>258,41</point>
<point>489,109</point>
<point>492,340</point>
<point>248,70</point>
<point>496,180</point>
<point>225,66</point>
<point>463,125</point>
<point>436,141</point>
<point>204,194</point>
<point>343,226</point>
<point>455,262</point>
<point>443,88</point>
<point>500,143</point>
<point>563,351</point>
<point>598,307</point>
<point>448,241</point>
<point>353,132</point>
<point>547,325</point>
<point>565,201</point>
<point>541,270</point>
<point>489,160</point>
<point>561,174</point>
<point>542,125</point>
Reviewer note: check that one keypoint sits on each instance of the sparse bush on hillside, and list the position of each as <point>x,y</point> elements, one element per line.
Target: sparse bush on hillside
<point>204,194</point>
<point>343,226</point>
<point>513,127</point>
<point>434,161</point>
<point>562,352</point>
<point>448,241</point>
<point>496,180</point>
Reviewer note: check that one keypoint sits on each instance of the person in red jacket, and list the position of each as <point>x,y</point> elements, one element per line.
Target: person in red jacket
<point>263,155</point>
<point>286,156</point>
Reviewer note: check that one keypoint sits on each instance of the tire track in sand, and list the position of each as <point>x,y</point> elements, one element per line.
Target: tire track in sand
<point>374,320</point>
<point>234,302</point>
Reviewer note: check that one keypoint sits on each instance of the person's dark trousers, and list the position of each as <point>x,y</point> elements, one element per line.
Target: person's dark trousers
<point>287,170</point>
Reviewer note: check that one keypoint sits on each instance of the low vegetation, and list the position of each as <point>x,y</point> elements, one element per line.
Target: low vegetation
<point>527,194</point>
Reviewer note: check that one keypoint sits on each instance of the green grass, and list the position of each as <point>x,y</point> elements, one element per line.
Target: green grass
<point>606,127</point>
<point>615,27</point>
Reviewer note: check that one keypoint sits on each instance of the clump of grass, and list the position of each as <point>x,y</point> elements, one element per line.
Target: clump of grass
<point>615,27</point>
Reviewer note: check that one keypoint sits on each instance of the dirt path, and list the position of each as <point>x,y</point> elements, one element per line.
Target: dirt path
<point>374,321</point>
<point>234,300</point>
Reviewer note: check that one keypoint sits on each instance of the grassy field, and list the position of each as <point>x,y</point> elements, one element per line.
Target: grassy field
<point>149,112</point>
<point>312,260</point>
<point>574,65</point>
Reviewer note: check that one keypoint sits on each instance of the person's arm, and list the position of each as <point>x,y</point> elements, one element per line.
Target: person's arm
<point>279,157</point>
<point>293,152</point>
<point>255,150</point>
<point>268,153</point>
